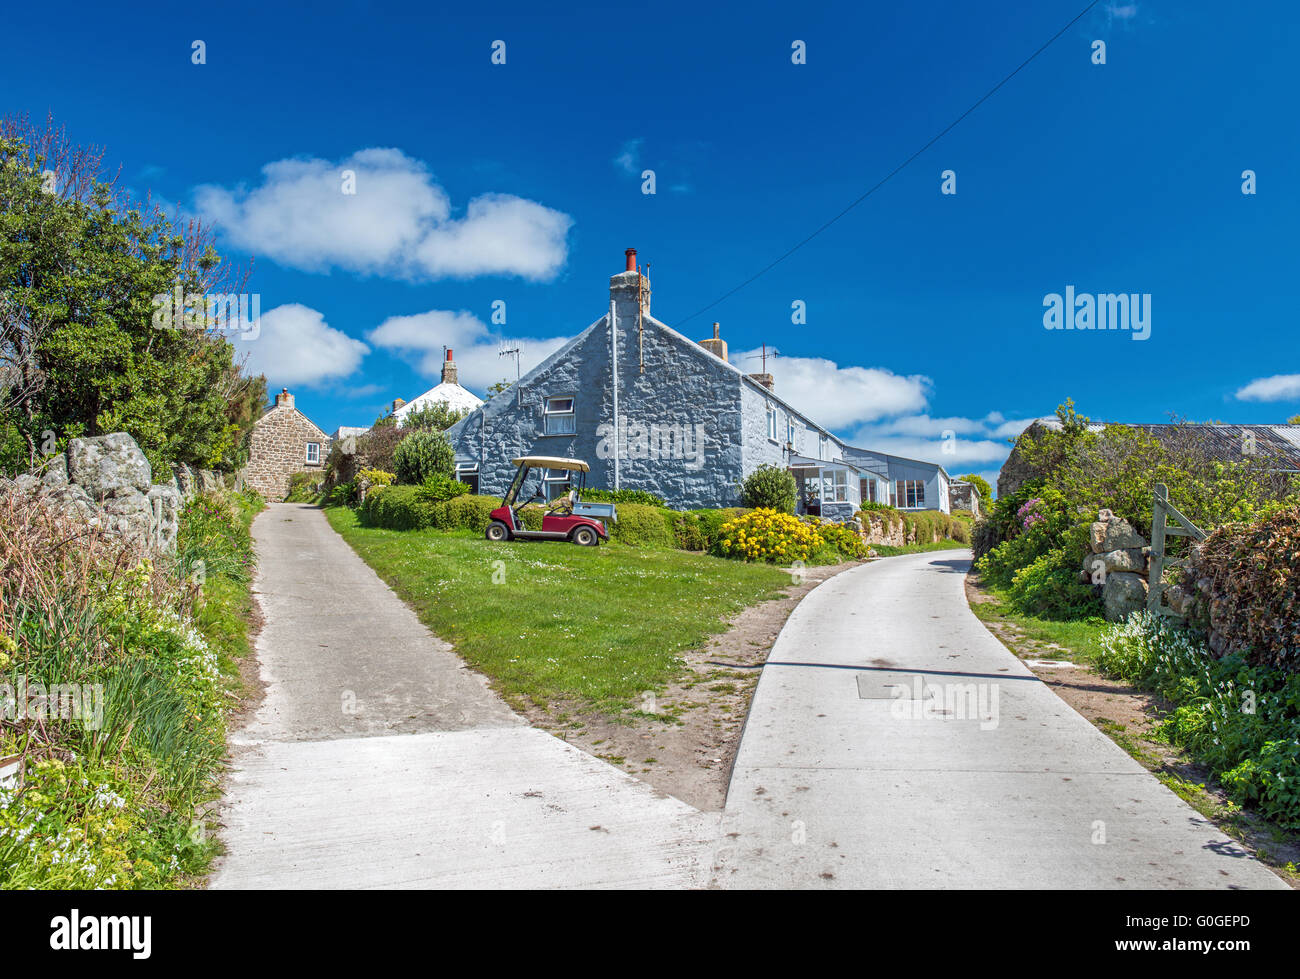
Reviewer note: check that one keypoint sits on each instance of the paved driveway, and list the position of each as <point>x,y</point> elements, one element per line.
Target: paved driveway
<point>379,760</point>
<point>980,776</point>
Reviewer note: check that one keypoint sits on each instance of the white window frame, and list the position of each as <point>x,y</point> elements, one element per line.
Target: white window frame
<point>771,421</point>
<point>913,495</point>
<point>310,460</point>
<point>566,419</point>
<point>551,483</point>
<point>789,429</point>
<point>467,469</point>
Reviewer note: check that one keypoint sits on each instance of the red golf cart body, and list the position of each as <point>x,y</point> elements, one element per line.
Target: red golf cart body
<point>568,519</point>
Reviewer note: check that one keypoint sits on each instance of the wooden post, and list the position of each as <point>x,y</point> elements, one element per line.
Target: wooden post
<point>1156,574</point>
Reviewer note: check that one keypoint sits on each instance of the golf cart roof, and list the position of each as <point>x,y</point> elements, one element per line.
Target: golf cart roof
<point>552,462</point>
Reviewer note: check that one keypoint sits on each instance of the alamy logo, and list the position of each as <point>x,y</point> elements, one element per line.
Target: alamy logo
<point>949,701</point>
<point>1105,311</point>
<point>34,701</point>
<point>637,440</point>
<point>227,312</point>
<point>101,932</point>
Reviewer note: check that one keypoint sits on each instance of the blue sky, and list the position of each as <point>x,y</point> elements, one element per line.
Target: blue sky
<point>522,182</point>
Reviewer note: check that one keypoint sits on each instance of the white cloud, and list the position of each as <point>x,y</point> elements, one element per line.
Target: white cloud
<point>475,347</point>
<point>970,441</point>
<point>837,396</point>
<point>629,158</point>
<point>398,223</point>
<point>296,346</point>
<point>1279,387</point>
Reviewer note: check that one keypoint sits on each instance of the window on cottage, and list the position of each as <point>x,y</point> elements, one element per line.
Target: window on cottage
<point>911,493</point>
<point>313,453</point>
<point>468,473</point>
<point>560,418</point>
<point>789,429</point>
<point>771,423</point>
<point>841,488</point>
<point>824,452</point>
<point>557,483</point>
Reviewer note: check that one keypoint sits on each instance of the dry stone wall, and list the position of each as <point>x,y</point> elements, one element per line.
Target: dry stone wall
<point>107,482</point>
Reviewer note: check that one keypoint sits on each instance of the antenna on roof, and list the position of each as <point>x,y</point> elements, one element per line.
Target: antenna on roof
<point>514,351</point>
<point>763,356</point>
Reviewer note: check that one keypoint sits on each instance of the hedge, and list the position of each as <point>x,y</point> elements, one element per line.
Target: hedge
<point>406,508</point>
<point>1247,577</point>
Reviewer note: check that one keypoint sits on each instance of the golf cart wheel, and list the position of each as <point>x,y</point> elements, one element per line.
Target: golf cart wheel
<point>497,530</point>
<point>586,537</point>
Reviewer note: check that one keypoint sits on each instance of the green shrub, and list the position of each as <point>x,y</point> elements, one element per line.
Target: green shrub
<point>623,496</point>
<point>344,494</point>
<point>1050,587</point>
<point>643,526</point>
<point>421,455</point>
<point>1254,752</point>
<point>396,508</point>
<point>377,477</point>
<point>697,530</point>
<point>440,487</point>
<point>841,542</point>
<point>769,487</point>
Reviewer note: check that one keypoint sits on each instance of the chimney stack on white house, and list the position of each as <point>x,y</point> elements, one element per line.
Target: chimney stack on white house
<point>627,289</point>
<point>449,372</point>
<point>397,403</point>
<point>284,399</point>
<point>767,380</point>
<point>716,345</point>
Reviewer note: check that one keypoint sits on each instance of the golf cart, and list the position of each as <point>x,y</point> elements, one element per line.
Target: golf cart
<point>567,518</point>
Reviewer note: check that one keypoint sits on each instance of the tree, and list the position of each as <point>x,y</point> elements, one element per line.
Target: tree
<point>436,417</point>
<point>502,385</point>
<point>80,265</point>
<point>1293,420</point>
<point>982,487</point>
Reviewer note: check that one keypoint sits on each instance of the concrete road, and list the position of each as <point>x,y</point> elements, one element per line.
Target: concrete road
<point>379,760</point>
<point>978,776</point>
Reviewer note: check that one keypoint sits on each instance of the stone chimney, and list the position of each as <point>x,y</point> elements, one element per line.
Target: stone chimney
<point>284,399</point>
<point>449,370</point>
<point>767,380</point>
<point>716,346</point>
<point>397,403</point>
<point>623,289</point>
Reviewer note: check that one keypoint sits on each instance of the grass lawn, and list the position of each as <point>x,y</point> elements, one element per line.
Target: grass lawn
<point>887,550</point>
<point>598,625</point>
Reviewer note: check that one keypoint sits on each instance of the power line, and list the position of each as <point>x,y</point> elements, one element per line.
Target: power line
<point>898,169</point>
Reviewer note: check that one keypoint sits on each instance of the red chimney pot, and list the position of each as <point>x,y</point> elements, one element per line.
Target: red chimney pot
<point>631,259</point>
<point>449,355</point>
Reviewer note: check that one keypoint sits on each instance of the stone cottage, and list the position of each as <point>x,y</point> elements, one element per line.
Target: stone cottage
<point>284,442</point>
<point>650,409</point>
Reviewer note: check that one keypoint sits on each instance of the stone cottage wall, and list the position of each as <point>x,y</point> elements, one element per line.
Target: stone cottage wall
<point>279,449</point>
